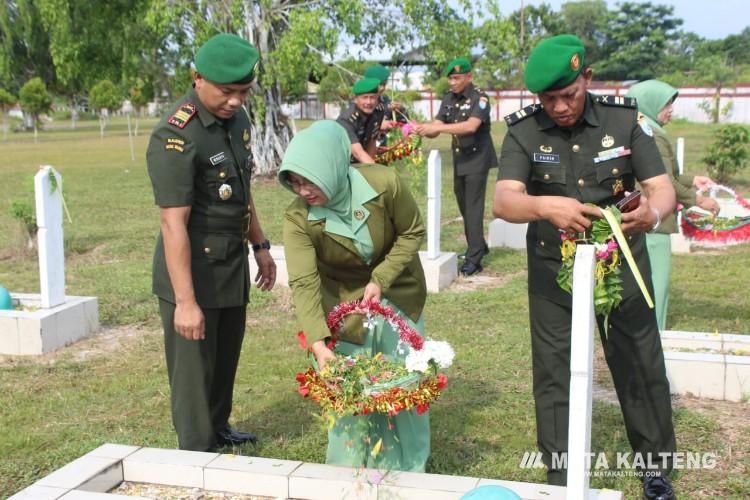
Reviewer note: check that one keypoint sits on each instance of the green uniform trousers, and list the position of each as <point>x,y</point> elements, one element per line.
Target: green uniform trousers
<point>201,374</point>
<point>405,436</point>
<point>635,358</point>
<point>470,191</point>
<point>660,256</point>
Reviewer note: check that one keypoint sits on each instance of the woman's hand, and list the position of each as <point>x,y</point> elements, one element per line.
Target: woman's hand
<point>322,354</point>
<point>709,204</point>
<point>372,292</point>
<point>702,182</point>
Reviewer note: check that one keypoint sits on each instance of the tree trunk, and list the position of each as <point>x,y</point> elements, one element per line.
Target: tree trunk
<point>270,131</point>
<point>35,129</point>
<point>102,124</point>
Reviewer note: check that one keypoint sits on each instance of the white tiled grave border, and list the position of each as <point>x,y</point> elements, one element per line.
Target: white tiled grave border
<point>42,330</point>
<point>714,366</point>
<point>91,476</point>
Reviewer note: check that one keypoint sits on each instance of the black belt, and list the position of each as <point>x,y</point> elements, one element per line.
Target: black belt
<point>220,224</point>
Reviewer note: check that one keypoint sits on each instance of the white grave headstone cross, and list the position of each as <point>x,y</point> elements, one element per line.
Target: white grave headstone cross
<point>434,172</point>
<point>49,220</point>
<point>581,362</point>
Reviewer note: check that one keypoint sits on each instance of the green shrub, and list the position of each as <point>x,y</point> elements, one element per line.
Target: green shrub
<point>728,153</point>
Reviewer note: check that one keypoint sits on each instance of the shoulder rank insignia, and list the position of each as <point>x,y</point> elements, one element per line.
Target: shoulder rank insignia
<point>616,100</point>
<point>182,116</point>
<point>522,114</point>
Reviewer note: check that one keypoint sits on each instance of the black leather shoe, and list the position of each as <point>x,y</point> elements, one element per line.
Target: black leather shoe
<point>658,488</point>
<point>470,268</point>
<point>230,436</point>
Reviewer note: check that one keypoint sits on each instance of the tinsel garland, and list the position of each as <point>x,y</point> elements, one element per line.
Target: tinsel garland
<point>406,146</point>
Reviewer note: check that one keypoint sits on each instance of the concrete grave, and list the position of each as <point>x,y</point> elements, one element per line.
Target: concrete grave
<point>44,322</point>
<point>103,469</point>
<point>506,234</point>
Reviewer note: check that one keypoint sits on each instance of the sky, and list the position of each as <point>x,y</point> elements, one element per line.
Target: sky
<point>710,19</point>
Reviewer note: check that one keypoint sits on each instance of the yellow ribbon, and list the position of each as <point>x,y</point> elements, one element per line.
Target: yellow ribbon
<point>623,242</point>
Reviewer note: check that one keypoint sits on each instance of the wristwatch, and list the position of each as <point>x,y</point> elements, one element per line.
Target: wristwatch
<point>656,224</point>
<point>265,244</point>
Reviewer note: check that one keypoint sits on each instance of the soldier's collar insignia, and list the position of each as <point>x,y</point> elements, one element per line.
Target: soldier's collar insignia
<point>183,115</point>
<point>575,62</point>
<point>359,214</point>
<point>608,141</point>
<point>545,149</point>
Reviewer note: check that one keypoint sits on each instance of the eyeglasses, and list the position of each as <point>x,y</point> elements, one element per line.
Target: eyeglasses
<point>298,186</point>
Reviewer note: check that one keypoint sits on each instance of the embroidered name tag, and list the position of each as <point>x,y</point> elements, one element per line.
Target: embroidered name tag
<point>217,158</point>
<point>546,158</point>
<point>611,154</point>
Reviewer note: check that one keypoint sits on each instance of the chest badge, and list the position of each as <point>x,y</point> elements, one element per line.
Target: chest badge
<point>545,149</point>
<point>225,192</point>
<point>608,141</point>
<point>618,187</point>
<point>359,214</point>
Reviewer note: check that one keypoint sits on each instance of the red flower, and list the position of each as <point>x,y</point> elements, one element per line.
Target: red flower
<point>422,408</point>
<point>302,340</point>
<point>304,390</point>
<point>442,381</point>
<point>301,378</point>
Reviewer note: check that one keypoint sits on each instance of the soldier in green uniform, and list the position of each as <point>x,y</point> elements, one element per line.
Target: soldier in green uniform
<point>393,110</point>
<point>465,114</point>
<point>199,161</point>
<point>576,148</point>
<point>362,120</point>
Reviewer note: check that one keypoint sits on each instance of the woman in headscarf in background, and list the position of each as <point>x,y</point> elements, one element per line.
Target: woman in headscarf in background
<point>353,233</point>
<point>655,100</point>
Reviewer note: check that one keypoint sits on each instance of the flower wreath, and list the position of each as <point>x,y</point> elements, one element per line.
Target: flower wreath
<point>713,231</point>
<point>609,243</point>
<point>409,144</point>
<point>377,384</point>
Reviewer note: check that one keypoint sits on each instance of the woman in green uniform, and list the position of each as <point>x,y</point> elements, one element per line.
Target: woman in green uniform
<point>354,233</point>
<point>655,100</point>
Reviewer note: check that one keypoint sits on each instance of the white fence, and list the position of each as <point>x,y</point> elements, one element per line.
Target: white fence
<point>507,101</point>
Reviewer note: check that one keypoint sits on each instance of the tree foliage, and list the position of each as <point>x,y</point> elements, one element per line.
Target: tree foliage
<point>105,95</point>
<point>728,153</point>
<point>34,98</point>
<point>637,35</point>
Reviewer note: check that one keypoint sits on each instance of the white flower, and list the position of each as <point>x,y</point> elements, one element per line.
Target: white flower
<point>438,351</point>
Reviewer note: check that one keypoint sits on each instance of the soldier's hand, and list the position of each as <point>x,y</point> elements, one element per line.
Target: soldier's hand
<point>568,214</point>
<point>322,354</point>
<point>189,321</point>
<point>702,182</point>
<point>266,277</point>
<point>709,204</point>
<point>427,130</point>
<point>640,220</point>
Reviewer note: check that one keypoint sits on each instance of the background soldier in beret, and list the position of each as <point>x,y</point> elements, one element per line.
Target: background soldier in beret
<point>577,148</point>
<point>362,119</point>
<point>199,161</point>
<point>393,110</point>
<point>465,114</point>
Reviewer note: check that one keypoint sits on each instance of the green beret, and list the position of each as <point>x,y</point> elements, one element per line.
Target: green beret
<point>378,72</point>
<point>366,86</point>
<point>458,66</point>
<point>227,58</point>
<point>555,63</point>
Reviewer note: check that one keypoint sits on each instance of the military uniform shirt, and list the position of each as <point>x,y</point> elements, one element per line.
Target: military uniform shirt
<point>362,128</point>
<point>473,153</point>
<point>196,159</point>
<point>594,162</point>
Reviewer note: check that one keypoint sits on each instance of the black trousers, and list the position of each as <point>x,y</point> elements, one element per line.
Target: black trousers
<point>634,354</point>
<point>470,193</point>
<point>201,374</point>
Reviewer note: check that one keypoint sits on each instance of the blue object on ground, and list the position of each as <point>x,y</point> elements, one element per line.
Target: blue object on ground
<point>6,302</point>
<point>490,492</point>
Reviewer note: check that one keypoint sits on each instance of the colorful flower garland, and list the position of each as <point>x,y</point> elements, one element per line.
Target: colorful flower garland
<point>409,144</point>
<point>713,231</point>
<point>363,384</point>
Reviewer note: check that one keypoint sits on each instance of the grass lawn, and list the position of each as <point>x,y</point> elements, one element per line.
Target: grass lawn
<point>57,408</point>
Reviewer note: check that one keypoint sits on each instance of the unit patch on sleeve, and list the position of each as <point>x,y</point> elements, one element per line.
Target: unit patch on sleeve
<point>182,116</point>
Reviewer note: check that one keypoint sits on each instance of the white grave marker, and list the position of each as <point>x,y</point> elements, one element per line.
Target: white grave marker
<point>434,183</point>
<point>581,362</point>
<point>48,185</point>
